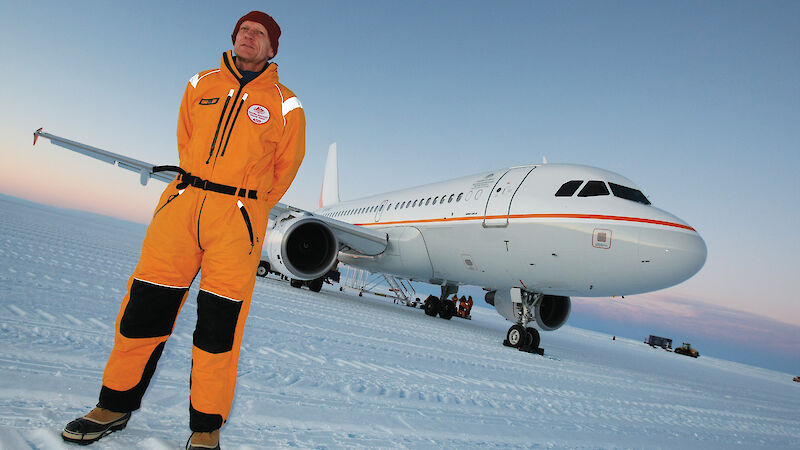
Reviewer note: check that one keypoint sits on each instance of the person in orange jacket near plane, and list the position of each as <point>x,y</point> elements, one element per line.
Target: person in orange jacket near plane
<point>241,139</point>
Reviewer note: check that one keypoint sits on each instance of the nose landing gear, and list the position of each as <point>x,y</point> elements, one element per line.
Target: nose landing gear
<point>524,339</point>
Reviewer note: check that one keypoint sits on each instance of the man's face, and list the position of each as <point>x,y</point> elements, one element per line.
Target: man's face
<point>252,42</point>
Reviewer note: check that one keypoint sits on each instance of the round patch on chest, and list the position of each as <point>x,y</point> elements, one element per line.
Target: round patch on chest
<point>258,114</point>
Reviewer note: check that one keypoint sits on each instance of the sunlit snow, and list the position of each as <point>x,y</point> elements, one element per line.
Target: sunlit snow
<point>334,370</point>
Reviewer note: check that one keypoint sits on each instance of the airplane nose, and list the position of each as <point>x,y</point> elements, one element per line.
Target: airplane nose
<point>670,256</point>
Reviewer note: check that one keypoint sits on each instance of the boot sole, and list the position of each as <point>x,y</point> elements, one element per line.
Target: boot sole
<point>88,438</point>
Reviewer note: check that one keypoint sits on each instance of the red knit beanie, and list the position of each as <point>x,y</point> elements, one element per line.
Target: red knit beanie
<point>273,30</point>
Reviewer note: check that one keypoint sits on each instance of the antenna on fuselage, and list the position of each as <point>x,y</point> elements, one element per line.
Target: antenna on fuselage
<point>330,180</point>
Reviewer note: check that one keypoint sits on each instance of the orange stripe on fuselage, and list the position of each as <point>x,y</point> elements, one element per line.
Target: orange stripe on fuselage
<point>537,216</point>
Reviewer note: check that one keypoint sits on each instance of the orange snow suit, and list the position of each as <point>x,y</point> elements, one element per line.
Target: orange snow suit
<point>241,144</point>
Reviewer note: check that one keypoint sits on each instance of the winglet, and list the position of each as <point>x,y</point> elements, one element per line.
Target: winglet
<point>36,135</point>
<point>329,194</point>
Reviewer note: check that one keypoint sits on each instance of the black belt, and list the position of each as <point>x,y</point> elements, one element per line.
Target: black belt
<point>187,179</point>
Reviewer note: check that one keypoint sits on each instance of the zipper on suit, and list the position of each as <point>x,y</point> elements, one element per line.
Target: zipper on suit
<point>221,115</point>
<point>225,127</point>
<point>246,218</point>
<point>230,132</point>
<point>198,221</point>
<point>171,198</point>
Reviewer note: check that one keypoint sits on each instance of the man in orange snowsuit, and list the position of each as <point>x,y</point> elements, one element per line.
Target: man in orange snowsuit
<point>241,139</point>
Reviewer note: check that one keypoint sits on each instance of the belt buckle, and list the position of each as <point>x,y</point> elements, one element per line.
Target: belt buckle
<point>205,185</point>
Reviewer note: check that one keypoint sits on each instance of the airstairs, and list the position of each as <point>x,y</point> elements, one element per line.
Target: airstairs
<point>360,280</point>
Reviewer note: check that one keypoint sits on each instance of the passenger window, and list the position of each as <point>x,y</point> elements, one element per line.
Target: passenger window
<point>458,199</point>
<point>435,199</point>
<point>415,204</point>
<point>627,193</point>
<point>593,189</point>
<point>568,188</point>
<point>450,199</point>
<point>428,202</point>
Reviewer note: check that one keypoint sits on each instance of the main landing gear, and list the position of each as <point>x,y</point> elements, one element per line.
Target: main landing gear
<point>444,308</point>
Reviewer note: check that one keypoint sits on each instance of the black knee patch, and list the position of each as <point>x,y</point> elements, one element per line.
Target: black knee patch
<point>151,310</point>
<point>216,322</point>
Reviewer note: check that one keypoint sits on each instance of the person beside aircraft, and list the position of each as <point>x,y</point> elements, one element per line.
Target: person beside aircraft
<point>241,139</point>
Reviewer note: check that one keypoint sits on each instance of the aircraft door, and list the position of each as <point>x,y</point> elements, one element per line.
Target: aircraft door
<point>380,209</point>
<point>498,203</point>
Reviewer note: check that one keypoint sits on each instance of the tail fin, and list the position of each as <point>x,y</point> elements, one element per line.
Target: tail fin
<point>330,181</point>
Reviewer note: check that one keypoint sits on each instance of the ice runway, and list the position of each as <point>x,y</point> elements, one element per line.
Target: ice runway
<point>333,370</point>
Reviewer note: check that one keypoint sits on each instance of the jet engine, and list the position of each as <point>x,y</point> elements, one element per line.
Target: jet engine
<point>303,248</point>
<point>549,312</point>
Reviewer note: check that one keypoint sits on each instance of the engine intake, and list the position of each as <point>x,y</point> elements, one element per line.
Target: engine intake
<point>552,312</point>
<point>303,248</point>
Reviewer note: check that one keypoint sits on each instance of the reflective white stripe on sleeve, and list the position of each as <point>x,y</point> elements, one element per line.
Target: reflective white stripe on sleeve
<point>197,77</point>
<point>291,104</point>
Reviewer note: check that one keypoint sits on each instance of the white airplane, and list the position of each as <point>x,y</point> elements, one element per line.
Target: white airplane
<point>532,236</point>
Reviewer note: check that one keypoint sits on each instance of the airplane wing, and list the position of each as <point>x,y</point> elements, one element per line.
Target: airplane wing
<point>351,237</point>
<point>145,170</point>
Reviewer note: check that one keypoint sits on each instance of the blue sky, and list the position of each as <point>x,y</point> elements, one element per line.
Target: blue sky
<point>698,103</point>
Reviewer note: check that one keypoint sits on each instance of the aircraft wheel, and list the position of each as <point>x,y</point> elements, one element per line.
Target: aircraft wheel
<point>535,339</point>
<point>315,285</point>
<point>432,305</point>
<point>263,269</point>
<point>516,336</point>
<point>447,310</point>
<point>296,283</point>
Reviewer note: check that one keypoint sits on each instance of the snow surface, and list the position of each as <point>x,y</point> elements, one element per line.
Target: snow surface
<point>334,370</point>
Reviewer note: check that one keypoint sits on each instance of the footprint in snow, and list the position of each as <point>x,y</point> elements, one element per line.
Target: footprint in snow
<point>73,319</point>
<point>46,315</point>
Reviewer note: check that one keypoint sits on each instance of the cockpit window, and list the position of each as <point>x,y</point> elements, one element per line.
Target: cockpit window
<point>627,193</point>
<point>568,188</point>
<point>593,189</point>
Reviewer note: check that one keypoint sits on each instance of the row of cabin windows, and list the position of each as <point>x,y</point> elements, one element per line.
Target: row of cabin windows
<point>596,188</point>
<point>408,204</point>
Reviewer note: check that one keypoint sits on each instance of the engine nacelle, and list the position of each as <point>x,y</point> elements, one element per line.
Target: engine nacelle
<point>303,248</point>
<point>550,312</point>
